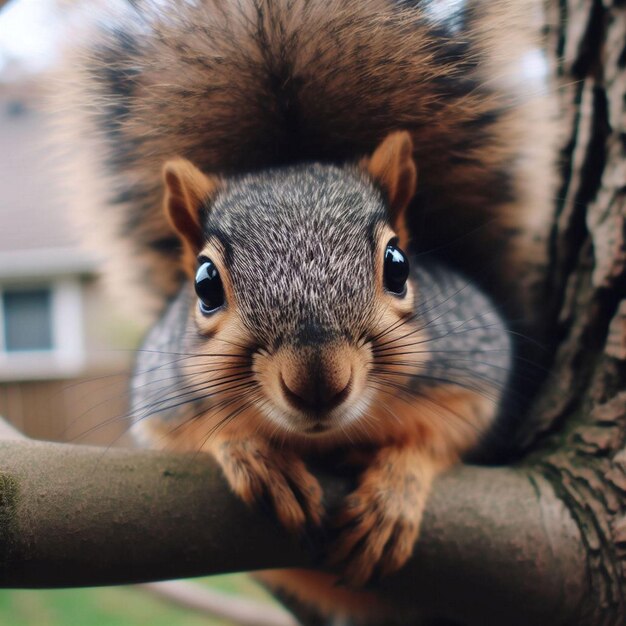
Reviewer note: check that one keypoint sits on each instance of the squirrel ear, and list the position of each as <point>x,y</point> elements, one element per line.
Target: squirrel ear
<point>186,189</point>
<point>392,167</point>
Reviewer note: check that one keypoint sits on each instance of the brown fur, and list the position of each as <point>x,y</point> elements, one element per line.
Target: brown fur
<point>392,167</point>
<point>241,86</point>
<point>186,188</point>
<point>327,593</point>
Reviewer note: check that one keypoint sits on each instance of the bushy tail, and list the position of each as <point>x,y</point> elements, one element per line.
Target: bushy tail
<point>248,84</point>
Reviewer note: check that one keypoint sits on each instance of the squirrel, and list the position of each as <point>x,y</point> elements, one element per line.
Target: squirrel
<point>322,199</point>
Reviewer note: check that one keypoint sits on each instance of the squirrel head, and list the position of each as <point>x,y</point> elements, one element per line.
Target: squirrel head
<point>295,270</point>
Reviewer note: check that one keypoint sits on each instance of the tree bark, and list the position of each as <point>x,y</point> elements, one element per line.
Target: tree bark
<point>579,428</point>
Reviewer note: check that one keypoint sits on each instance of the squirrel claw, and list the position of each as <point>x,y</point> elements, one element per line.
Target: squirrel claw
<point>256,473</point>
<point>374,541</point>
<point>379,523</point>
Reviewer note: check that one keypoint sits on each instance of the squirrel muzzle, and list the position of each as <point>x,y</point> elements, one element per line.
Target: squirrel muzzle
<point>317,383</point>
<point>316,387</point>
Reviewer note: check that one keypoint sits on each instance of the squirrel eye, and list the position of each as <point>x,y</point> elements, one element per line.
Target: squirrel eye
<point>396,270</point>
<point>209,288</point>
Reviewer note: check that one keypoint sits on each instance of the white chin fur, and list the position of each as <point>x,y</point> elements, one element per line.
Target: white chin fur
<point>340,419</point>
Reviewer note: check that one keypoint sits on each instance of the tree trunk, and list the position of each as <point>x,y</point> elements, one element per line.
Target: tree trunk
<point>577,427</point>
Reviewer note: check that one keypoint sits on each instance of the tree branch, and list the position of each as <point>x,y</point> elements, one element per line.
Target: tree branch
<point>81,516</point>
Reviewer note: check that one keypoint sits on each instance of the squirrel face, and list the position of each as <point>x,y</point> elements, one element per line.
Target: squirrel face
<point>297,268</point>
<point>301,252</point>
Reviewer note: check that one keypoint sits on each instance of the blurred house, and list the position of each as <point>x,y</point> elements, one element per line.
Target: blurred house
<point>63,356</point>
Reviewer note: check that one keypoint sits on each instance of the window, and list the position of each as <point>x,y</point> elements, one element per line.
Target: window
<point>41,334</point>
<point>27,320</point>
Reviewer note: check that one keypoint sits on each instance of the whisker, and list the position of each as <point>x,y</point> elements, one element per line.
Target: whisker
<point>165,402</point>
<point>430,324</point>
<point>489,393</point>
<point>447,412</point>
<point>195,354</point>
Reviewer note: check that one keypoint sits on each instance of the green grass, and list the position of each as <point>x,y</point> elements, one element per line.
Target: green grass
<point>111,606</point>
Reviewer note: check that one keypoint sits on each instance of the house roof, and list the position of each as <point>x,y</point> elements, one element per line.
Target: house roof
<point>32,216</point>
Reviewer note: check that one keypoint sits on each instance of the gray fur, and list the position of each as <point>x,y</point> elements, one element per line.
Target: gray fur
<point>468,343</point>
<point>300,251</point>
<point>158,376</point>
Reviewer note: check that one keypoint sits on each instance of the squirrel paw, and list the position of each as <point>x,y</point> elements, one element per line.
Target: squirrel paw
<point>380,521</point>
<point>258,473</point>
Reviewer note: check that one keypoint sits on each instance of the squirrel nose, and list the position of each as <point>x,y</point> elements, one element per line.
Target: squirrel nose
<point>317,387</point>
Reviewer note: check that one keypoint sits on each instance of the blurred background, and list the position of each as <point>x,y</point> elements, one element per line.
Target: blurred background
<point>65,352</point>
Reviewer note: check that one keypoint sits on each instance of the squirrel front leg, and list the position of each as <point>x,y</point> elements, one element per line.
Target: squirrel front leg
<point>258,472</point>
<point>380,520</point>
